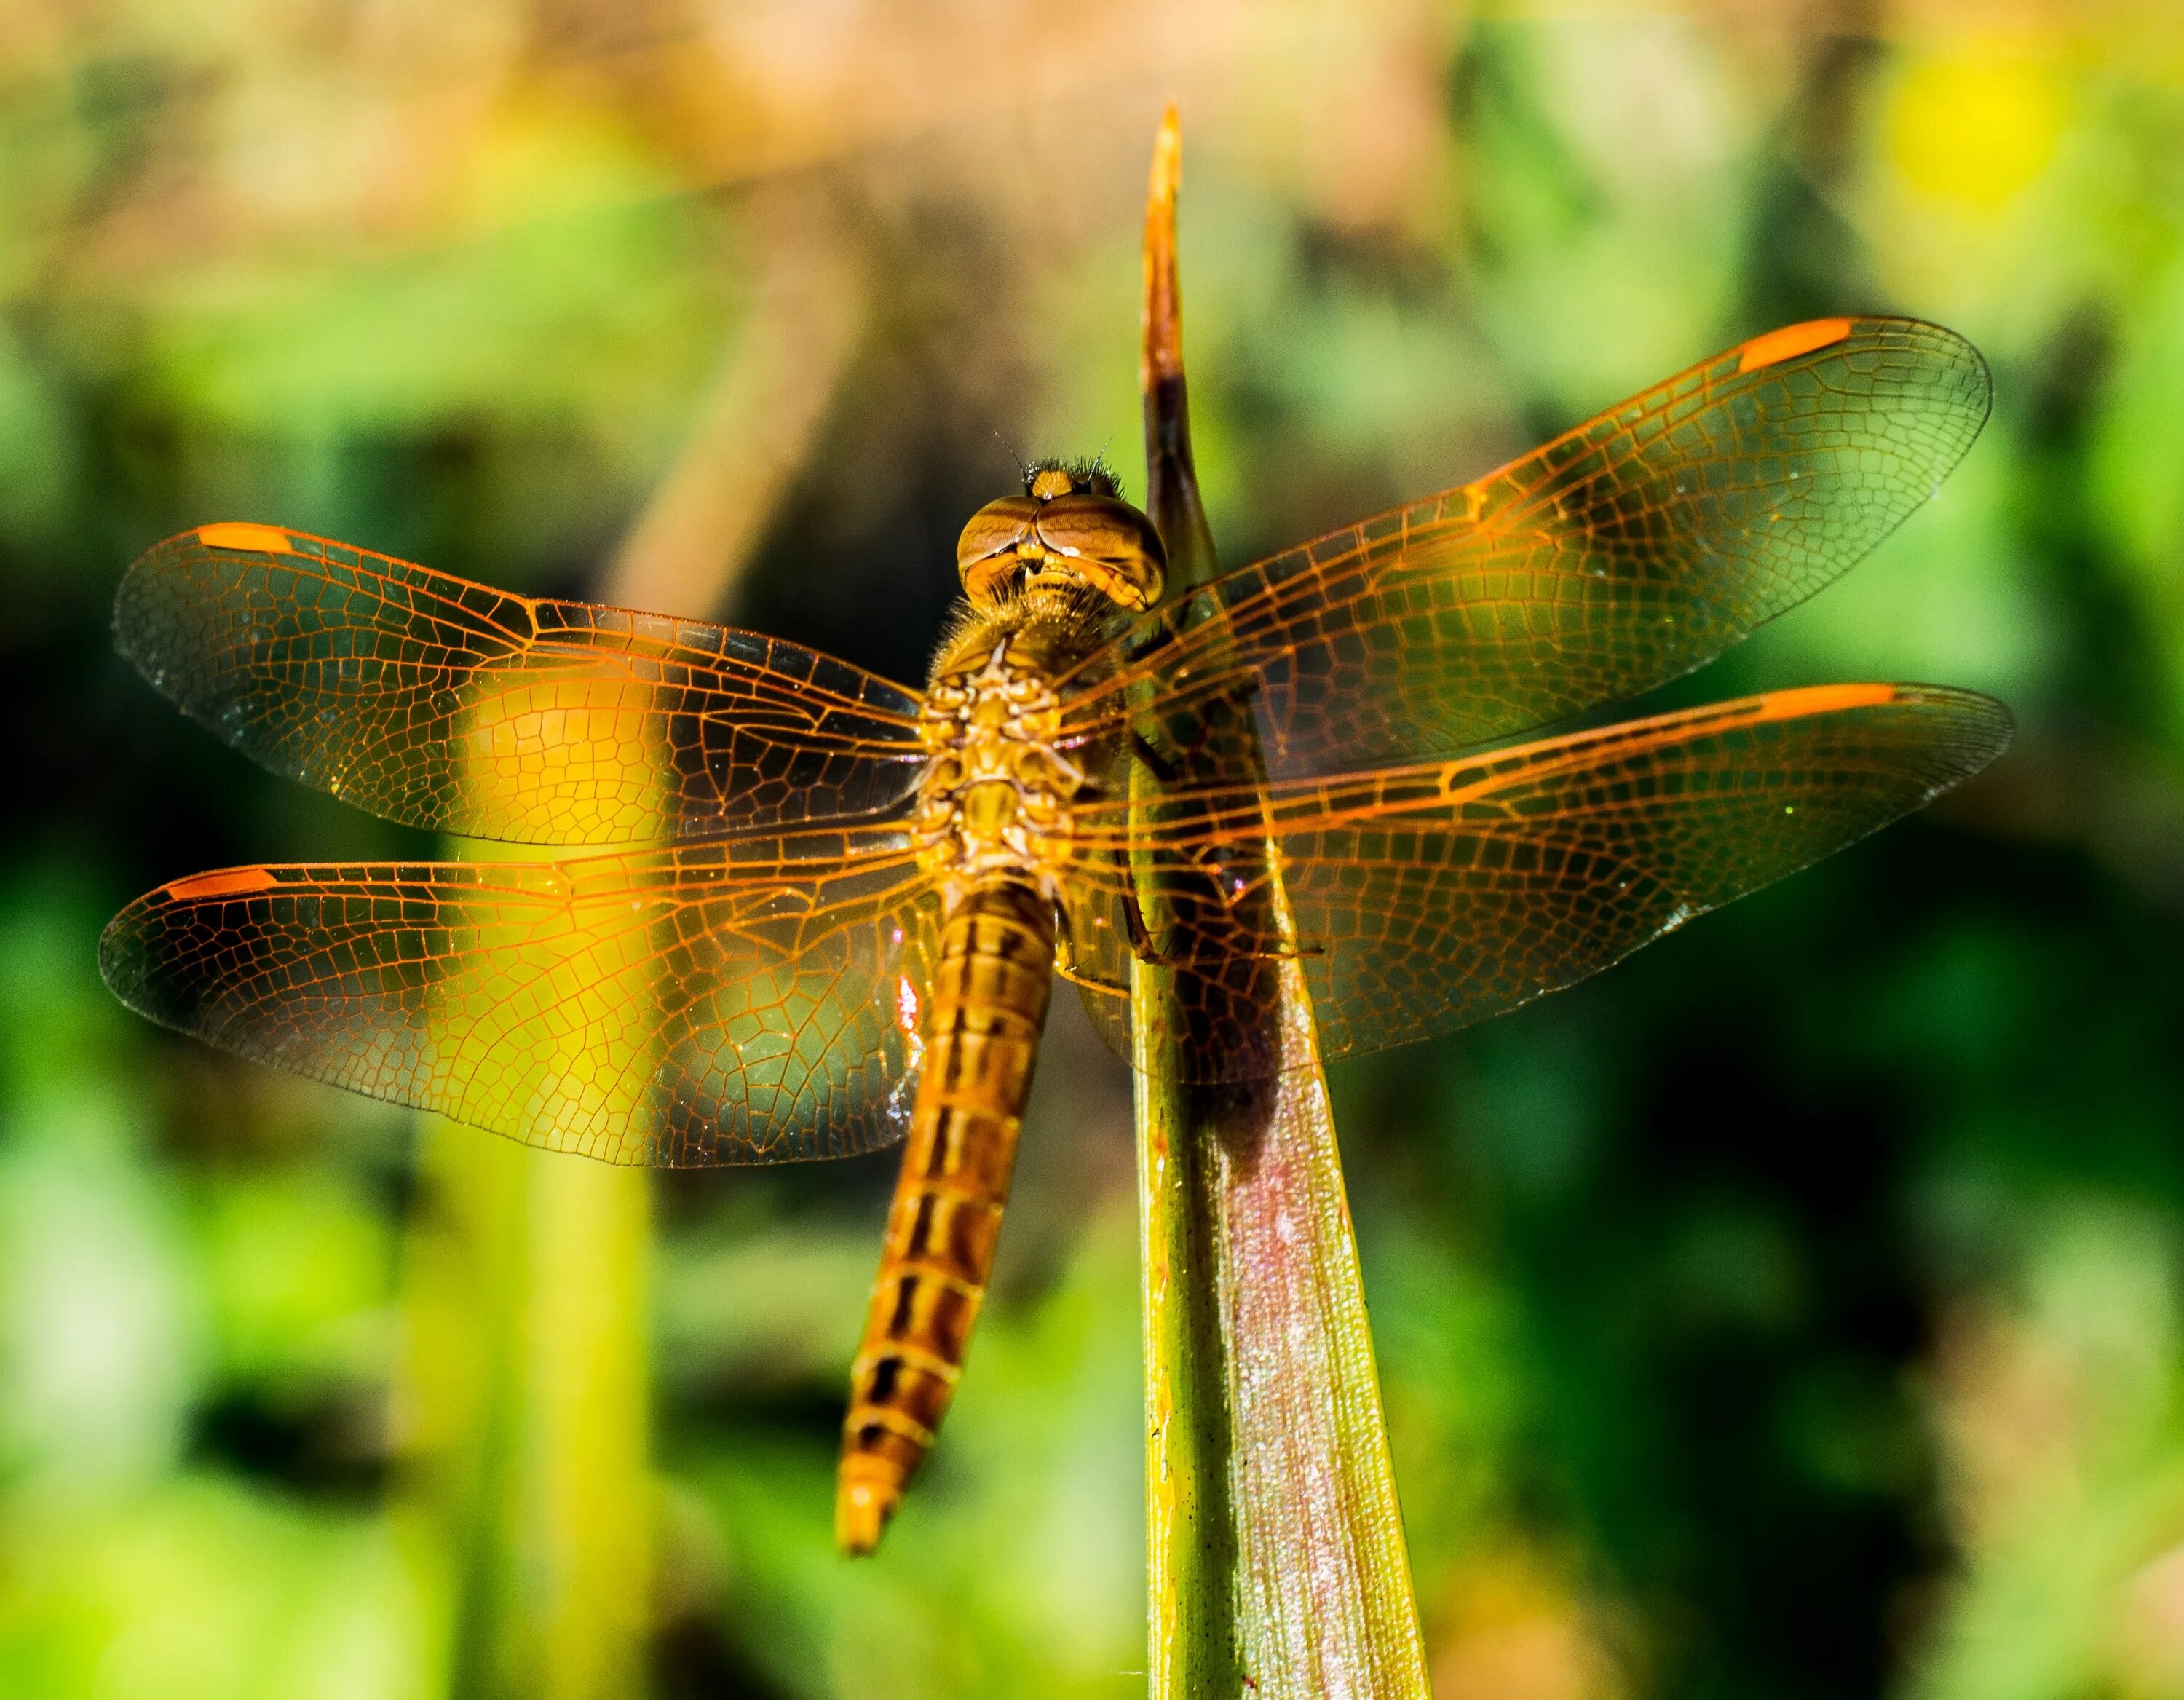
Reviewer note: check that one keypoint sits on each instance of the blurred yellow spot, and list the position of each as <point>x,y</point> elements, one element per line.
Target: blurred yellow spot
<point>1976,126</point>
<point>2150,1634</point>
<point>1516,1627</point>
<point>234,534</point>
<point>1791,341</point>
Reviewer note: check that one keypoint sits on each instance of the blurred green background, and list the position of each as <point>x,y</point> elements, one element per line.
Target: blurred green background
<point>1798,1310</point>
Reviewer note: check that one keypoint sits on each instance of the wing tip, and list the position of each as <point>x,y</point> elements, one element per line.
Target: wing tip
<point>1979,729</point>
<point>127,969</point>
<point>1814,336</point>
<point>138,599</point>
<point>132,970</point>
<point>1975,708</point>
<point>1977,376</point>
<point>1988,727</point>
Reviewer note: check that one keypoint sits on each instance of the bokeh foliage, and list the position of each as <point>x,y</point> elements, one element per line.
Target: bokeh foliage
<point>1798,1309</point>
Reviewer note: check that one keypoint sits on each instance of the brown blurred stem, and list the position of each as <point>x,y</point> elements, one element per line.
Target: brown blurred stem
<point>754,428</point>
<point>1275,1556</point>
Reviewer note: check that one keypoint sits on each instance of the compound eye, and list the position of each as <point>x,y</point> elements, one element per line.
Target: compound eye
<point>986,552</point>
<point>1110,545</point>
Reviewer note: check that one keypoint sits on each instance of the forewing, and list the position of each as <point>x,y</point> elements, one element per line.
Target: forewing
<point>1430,897</point>
<point>748,1000</point>
<point>443,704</point>
<point>1623,553</point>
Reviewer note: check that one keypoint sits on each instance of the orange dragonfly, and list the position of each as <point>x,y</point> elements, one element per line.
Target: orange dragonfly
<point>822,911</point>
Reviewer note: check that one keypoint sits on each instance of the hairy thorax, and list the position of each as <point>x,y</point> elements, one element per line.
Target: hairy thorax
<point>996,792</point>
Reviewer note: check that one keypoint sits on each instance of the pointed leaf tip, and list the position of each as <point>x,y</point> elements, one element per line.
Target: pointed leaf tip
<point>1162,357</point>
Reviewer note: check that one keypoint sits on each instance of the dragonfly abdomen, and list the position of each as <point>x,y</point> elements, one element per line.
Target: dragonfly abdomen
<point>988,1008</point>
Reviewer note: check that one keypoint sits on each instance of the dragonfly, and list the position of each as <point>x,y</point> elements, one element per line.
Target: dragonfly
<point>813,912</point>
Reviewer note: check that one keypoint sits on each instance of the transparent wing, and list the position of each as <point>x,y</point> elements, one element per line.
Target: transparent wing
<point>748,1000</point>
<point>1623,553</point>
<point>428,700</point>
<point>1429,897</point>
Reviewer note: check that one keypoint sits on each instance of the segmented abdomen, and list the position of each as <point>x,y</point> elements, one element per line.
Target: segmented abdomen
<point>987,1007</point>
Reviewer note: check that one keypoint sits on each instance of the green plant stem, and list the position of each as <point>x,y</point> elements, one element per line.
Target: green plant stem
<point>528,1507</point>
<point>1276,1563</point>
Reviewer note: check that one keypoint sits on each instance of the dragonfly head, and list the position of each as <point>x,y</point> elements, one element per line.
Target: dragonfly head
<point>1070,527</point>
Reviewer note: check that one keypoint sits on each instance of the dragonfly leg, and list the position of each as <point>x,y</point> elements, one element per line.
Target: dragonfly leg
<point>1142,946</point>
<point>1141,937</point>
<point>1163,769</point>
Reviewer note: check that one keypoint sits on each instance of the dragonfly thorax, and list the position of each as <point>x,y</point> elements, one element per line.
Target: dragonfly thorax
<point>996,790</point>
